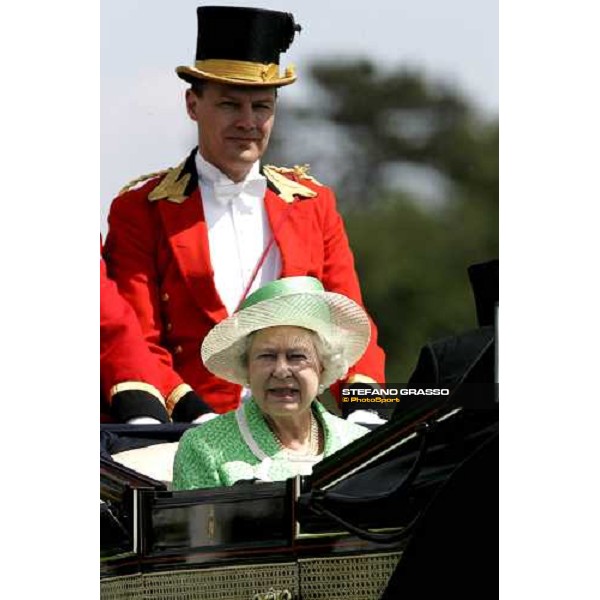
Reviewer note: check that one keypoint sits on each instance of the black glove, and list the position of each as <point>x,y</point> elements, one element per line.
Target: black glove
<point>190,407</point>
<point>128,404</point>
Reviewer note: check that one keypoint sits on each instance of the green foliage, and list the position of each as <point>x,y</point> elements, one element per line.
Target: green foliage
<point>412,270</point>
<point>411,252</point>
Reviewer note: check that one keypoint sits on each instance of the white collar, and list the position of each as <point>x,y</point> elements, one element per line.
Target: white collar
<point>224,189</point>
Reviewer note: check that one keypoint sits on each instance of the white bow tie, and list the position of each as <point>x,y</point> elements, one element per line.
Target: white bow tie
<point>246,191</point>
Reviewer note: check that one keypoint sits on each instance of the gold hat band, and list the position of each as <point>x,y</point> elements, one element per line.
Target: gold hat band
<point>246,71</point>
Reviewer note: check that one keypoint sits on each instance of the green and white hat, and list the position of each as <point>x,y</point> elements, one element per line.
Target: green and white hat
<point>341,323</point>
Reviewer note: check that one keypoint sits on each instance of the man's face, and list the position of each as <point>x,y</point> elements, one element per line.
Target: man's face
<point>234,125</point>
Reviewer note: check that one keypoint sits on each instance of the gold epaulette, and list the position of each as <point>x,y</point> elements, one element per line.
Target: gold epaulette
<point>137,180</point>
<point>288,188</point>
<point>172,187</point>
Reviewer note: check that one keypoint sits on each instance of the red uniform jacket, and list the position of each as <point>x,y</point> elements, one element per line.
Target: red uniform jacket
<point>157,251</point>
<point>126,363</point>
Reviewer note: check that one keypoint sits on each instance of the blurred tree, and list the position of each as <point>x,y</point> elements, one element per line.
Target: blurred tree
<point>415,169</point>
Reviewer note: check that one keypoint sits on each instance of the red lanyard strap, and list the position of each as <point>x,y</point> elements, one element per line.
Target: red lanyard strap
<point>263,256</point>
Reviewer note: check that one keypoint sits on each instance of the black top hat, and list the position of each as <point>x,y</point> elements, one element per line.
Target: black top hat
<point>241,46</point>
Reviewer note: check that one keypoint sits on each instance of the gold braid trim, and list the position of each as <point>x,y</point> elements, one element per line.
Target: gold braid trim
<point>288,188</point>
<point>240,72</point>
<point>240,69</point>
<point>358,378</point>
<point>175,396</point>
<point>136,386</point>
<point>300,171</point>
<point>171,188</point>
<point>142,178</point>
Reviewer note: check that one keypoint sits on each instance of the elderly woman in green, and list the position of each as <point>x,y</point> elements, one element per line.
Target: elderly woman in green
<point>289,340</point>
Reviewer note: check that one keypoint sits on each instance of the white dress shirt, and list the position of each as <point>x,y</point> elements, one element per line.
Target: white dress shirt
<point>238,231</point>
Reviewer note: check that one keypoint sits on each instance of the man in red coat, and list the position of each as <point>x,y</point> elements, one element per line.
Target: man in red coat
<point>129,374</point>
<point>131,388</point>
<point>186,245</point>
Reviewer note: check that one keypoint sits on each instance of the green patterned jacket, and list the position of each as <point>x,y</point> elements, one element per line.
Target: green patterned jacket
<point>240,445</point>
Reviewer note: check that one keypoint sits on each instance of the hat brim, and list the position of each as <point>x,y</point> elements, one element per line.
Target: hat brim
<point>340,322</point>
<point>191,74</point>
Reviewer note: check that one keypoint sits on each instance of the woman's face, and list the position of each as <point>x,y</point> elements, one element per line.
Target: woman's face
<point>284,370</point>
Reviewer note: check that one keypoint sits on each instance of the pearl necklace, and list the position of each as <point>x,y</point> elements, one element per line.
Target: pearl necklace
<point>313,439</point>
